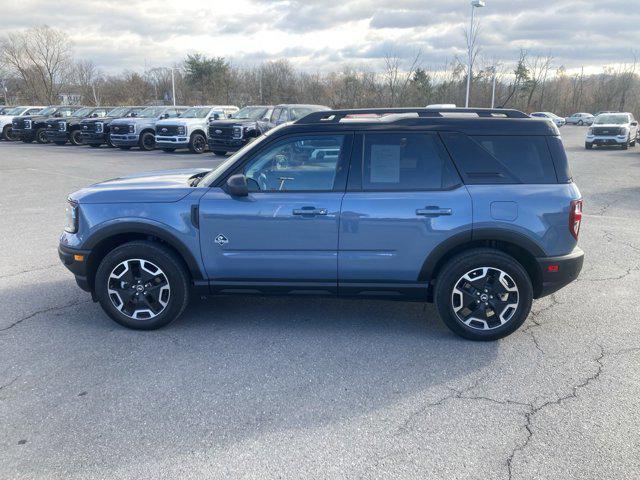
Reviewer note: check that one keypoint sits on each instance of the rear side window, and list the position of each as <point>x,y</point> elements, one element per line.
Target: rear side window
<point>502,159</point>
<point>406,161</point>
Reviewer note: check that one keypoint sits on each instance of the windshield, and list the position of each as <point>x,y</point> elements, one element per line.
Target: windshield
<point>83,112</point>
<point>618,119</point>
<point>14,111</point>
<point>210,177</point>
<point>118,112</point>
<point>250,113</point>
<point>151,112</point>
<point>196,112</point>
<point>48,111</point>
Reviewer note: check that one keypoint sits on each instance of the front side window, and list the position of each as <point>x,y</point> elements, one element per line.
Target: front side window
<point>250,113</point>
<point>197,112</point>
<point>151,112</point>
<point>83,112</point>
<point>284,116</point>
<point>406,161</point>
<point>276,114</point>
<point>298,163</point>
<point>118,112</point>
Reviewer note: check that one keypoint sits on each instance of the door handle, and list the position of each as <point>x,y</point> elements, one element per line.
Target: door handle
<point>311,211</point>
<point>433,211</point>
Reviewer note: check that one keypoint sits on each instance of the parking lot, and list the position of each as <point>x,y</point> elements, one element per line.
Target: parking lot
<point>249,387</point>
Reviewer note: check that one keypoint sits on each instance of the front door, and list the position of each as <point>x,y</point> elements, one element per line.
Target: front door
<point>284,236</point>
<point>404,199</point>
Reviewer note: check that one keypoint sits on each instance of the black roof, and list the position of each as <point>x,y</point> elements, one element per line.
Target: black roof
<point>472,121</point>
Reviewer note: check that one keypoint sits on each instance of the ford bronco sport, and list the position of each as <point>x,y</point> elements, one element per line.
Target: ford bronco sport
<point>476,212</point>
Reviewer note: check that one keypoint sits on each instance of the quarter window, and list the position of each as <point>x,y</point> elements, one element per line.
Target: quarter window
<point>406,161</point>
<point>299,163</point>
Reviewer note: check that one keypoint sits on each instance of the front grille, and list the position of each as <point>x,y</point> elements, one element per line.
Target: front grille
<point>89,127</point>
<point>220,132</point>
<point>120,129</point>
<point>168,131</point>
<point>19,124</point>
<point>606,130</point>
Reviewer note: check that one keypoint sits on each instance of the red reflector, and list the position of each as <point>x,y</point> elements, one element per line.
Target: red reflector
<point>553,268</point>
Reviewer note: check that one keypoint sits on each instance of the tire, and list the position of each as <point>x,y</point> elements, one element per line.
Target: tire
<point>59,143</point>
<point>75,138</point>
<point>625,145</point>
<point>41,136</point>
<point>580,123</point>
<point>165,302</point>
<point>492,266</point>
<point>222,153</point>
<point>124,148</point>
<point>197,143</point>
<point>109,142</point>
<point>147,141</point>
<point>168,150</point>
<point>588,146</point>
<point>7,134</point>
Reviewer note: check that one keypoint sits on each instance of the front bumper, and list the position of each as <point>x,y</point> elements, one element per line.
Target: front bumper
<point>56,136</point>
<point>128,140</point>
<point>92,137</point>
<point>227,144</point>
<point>556,272</point>
<point>24,134</point>
<point>76,261</point>
<point>606,139</point>
<point>172,142</point>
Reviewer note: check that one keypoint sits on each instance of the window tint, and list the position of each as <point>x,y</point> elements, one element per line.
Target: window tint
<point>284,116</point>
<point>276,113</point>
<point>406,161</point>
<point>297,163</point>
<point>501,159</point>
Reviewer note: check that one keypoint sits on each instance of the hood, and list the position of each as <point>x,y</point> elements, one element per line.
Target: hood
<point>35,118</point>
<point>134,121</point>
<point>181,121</point>
<point>230,122</point>
<point>153,187</point>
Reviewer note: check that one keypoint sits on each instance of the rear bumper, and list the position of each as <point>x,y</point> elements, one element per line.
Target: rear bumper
<point>130,140</point>
<point>70,258</point>
<point>556,272</point>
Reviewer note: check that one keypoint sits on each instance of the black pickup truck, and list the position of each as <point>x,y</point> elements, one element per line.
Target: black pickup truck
<point>61,131</point>
<point>95,131</point>
<point>34,127</point>
<point>231,134</point>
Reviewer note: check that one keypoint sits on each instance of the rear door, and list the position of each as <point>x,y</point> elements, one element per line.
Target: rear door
<point>404,199</point>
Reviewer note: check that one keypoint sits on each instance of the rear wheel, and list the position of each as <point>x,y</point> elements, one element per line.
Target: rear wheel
<point>580,123</point>
<point>41,136</point>
<point>483,294</point>
<point>142,285</point>
<point>222,153</point>
<point>197,143</point>
<point>147,141</point>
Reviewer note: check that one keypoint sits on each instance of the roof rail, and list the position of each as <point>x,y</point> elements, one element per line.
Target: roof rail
<point>334,116</point>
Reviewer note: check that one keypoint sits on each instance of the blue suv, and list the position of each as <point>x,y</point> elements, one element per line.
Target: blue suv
<point>473,209</point>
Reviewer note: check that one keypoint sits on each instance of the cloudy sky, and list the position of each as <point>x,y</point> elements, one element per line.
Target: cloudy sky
<point>320,34</point>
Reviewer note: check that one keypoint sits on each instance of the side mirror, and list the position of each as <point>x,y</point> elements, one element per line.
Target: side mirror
<point>57,114</point>
<point>134,114</point>
<point>634,124</point>
<point>237,186</point>
<point>216,116</point>
<point>164,115</point>
<point>229,115</point>
<point>264,119</point>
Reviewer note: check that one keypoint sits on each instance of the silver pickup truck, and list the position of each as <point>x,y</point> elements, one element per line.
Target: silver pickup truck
<point>140,131</point>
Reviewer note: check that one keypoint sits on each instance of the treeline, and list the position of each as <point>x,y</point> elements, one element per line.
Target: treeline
<point>37,66</point>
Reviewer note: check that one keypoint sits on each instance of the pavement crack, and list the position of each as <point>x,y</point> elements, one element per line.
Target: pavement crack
<point>44,310</point>
<point>22,272</point>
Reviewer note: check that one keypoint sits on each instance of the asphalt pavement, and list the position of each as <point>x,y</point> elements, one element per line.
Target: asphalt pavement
<point>244,387</point>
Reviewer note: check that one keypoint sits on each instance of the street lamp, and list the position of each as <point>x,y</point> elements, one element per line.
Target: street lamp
<point>173,84</point>
<point>470,41</point>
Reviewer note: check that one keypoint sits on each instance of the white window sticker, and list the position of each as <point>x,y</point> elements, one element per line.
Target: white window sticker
<point>385,164</point>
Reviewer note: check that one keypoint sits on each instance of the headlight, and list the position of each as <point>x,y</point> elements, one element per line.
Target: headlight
<point>132,128</point>
<point>182,130</point>
<point>71,214</point>
<point>623,131</point>
<point>590,131</point>
<point>237,132</point>
<point>99,127</point>
<point>62,126</point>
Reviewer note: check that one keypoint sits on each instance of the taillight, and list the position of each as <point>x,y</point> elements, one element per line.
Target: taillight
<point>575,217</point>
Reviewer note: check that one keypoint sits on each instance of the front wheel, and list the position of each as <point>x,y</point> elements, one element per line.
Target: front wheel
<point>483,294</point>
<point>625,145</point>
<point>76,138</point>
<point>588,146</point>
<point>197,143</point>
<point>580,123</point>
<point>147,141</point>
<point>41,136</point>
<point>142,285</point>
<point>7,133</point>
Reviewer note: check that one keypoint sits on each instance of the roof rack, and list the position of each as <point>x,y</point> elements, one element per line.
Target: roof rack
<point>335,116</point>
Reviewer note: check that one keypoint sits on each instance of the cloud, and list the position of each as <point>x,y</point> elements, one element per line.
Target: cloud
<point>319,35</point>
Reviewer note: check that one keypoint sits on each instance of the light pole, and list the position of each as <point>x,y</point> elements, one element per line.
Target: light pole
<point>173,84</point>
<point>493,87</point>
<point>470,42</point>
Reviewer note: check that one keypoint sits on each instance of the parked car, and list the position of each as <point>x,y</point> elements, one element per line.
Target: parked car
<point>140,131</point>
<point>95,131</point>
<point>289,113</point>
<point>5,108</point>
<point>60,131</point>
<point>558,121</point>
<point>478,214</point>
<point>6,119</point>
<point>190,129</point>
<point>613,129</point>
<point>580,119</point>
<point>229,135</point>
<point>34,127</point>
